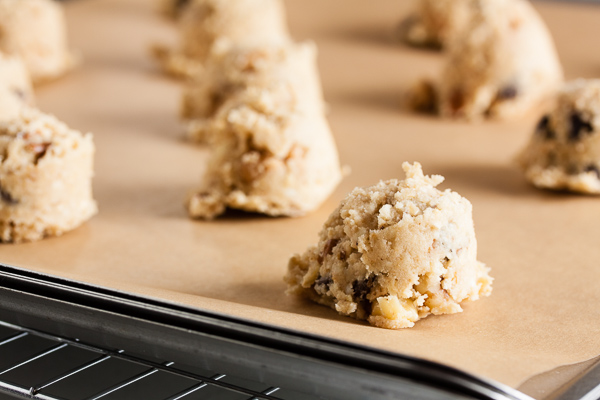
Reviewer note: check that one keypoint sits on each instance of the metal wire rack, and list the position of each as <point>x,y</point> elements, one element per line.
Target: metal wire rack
<point>42,366</point>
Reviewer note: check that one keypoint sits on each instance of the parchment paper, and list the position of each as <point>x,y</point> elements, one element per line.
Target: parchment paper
<point>542,247</point>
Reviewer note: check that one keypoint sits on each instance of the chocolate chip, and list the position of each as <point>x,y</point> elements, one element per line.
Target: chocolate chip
<point>543,128</point>
<point>328,249</point>
<point>324,280</point>
<point>362,288</point>
<point>7,197</point>
<point>593,168</point>
<point>366,306</point>
<point>217,98</point>
<point>457,100</point>
<point>507,92</point>
<point>544,122</point>
<point>579,127</point>
<point>423,97</point>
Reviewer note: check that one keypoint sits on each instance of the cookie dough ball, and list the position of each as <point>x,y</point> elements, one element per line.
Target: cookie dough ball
<point>35,30</point>
<point>15,87</point>
<point>564,152</point>
<point>233,68</point>
<point>267,157</point>
<point>394,253</point>
<point>434,22</point>
<point>45,177</point>
<point>502,65</point>
<point>204,21</point>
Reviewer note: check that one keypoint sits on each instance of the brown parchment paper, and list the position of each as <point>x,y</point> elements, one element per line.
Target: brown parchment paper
<point>542,247</point>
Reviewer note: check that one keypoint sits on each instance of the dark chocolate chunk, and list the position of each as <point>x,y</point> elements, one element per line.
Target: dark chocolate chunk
<point>7,197</point>
<point>362,288</point>
<point>593,168</point>
<point>579,127</point>
<point>328,249</point>
<point>543,124</point>
<point>507,92</point>
<point>323,280</point>
<point>457,100</point>
<point>366,306</point>
<point>543,128</point>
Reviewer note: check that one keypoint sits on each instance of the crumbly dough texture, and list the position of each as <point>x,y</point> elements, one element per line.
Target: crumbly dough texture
<point>501,65</point>
<point>233,68</point>
<point>434,22</point>
<point>564,151</point>
<point>268,156</point>
<point>45,177</point>
<point>15,87</point>
<point>394,253</point>
<point>261,109</point>
<point>202,22</point>
<point>35,30</point>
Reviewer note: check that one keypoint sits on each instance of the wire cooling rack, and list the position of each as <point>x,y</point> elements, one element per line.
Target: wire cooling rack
<point>66,340</point>
<point>43,366</point>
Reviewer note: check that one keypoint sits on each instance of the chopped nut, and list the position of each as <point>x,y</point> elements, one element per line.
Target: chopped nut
<point>327,250</point>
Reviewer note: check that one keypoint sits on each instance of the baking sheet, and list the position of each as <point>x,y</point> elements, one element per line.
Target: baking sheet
<point>542,247</point>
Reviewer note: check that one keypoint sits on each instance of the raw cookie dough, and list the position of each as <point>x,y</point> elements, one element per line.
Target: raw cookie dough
<point>501,65</point>
<point>268,156</point>
<point>202,22</point>
<point>15,87</point>
<point>394,253</point>
<point>35,30</point>
<point>45,177</point>
<point>564,152</point>
<point>434,22</point>
<point>233,68</point>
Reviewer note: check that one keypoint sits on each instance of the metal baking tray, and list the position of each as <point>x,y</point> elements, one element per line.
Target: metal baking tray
<point>60,339</point>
